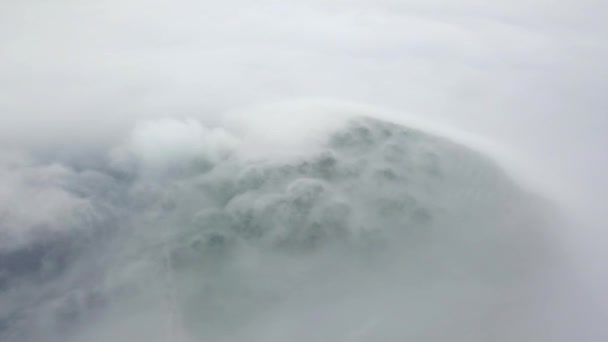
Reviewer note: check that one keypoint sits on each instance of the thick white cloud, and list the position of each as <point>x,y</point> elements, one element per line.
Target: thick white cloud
<point>76,76</point>
<point>160,144</point>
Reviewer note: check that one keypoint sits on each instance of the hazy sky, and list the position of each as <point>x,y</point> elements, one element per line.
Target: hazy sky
<point>530,73</point>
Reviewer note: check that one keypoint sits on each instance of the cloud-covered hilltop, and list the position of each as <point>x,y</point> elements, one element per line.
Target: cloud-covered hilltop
<point>135,206</point>
<point>191,232</point>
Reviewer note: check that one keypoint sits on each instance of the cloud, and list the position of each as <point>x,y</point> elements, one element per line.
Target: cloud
<point>204,239</point>
<point>94,94</point>
<point>515,72</point>
<point>168,142</point>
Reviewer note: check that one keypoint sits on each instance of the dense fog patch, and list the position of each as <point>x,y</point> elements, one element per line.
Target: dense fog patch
<point>181,233</point>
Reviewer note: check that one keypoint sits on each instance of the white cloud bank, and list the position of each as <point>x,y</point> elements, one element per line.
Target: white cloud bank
<point>76,76</point>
